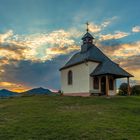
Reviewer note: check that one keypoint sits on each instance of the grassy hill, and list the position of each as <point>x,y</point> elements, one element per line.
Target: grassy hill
<point>70,118</point>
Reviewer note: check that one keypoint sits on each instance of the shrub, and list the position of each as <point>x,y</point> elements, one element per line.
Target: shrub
<point>60,92</point>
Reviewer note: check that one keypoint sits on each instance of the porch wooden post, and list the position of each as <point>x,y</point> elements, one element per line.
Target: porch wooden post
<point>115,85</point>
<point>128,88</point>
<point>107,85</point>
<point>100,84</point>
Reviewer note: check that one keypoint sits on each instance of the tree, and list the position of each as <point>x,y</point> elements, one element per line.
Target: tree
<point>136,90</point>
<point>123,89</point>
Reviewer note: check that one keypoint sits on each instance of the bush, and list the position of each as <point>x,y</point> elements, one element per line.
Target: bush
<point>60,92</point>
<point>123,89</point>
<point>136,90</point>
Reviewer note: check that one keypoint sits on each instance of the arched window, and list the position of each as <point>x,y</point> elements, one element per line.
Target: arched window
<point>70,77</point>
<point>111,84</point>
<point>96,83</point>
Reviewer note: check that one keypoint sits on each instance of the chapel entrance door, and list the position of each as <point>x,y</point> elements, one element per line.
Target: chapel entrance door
<point>103,85</point>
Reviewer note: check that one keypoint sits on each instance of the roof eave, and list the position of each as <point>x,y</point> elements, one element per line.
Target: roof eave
<point>117,75</point>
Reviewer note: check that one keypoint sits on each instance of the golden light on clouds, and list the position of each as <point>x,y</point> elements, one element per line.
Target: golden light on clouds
<point>7,84</point>
<point>116,35</point>
<point>62,50</point>
<point>13,86</point>
<point>27,47</point>
<point>5,36</point>
<point>95,28</point>
<point>55,51</point>
<point>125,50</point>
<point>136,29</point>
<point>20,89</point>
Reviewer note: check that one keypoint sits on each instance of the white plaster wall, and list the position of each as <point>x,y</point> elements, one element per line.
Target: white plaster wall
<point>81,78</point>
<point>92,66</point>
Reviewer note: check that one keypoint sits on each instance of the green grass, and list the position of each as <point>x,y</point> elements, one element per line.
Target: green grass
<point>70,118</point>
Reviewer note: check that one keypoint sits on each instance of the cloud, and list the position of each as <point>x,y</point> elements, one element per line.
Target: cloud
<point>130,63</point>
<point>126,54</point>
<point>45,46</point>
<point>13,86</point>
<point>95,28</point>
<point>35,47</point>
<point>27,74</point>
<point>76,33</point>
<point>116,35</point>
<point>122,52</point>
<point>6,35</point>
<point>30,60</point>
<point>127,50</point>
<point>56,51</point>
<point>34,60</point>
<point>136,29</point>
<point>98,28</point>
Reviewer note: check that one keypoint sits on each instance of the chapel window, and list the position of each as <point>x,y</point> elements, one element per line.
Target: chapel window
<point>96,83</point>
<point>70,77</point>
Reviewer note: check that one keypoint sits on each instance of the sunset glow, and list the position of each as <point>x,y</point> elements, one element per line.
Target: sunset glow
<point>36,40</point>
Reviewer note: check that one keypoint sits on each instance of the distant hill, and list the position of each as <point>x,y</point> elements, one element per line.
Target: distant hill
<point>38,91</point>
<point>35,91</point>
<point>7,93</point>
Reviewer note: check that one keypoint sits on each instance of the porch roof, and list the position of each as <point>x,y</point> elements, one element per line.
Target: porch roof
<point>110,68</point>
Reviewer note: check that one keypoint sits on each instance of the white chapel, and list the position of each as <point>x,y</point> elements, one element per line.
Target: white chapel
<point>90,72</point>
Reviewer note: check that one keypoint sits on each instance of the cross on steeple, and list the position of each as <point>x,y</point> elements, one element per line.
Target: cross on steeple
<point>87,26</point>
<point>87,38</point>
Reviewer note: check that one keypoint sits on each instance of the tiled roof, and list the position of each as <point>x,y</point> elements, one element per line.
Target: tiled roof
<point>93,53</point>
<point>109,67</point>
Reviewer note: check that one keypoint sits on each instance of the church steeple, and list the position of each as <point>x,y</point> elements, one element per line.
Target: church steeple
<point>87,38</point>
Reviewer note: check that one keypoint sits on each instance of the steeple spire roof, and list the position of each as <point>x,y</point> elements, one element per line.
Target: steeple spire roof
<point>87,35</point>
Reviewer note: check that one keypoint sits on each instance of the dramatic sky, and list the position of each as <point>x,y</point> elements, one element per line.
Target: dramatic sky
<point>38,36</point>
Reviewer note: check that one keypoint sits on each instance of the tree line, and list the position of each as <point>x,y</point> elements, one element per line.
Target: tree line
<point>123,89</point>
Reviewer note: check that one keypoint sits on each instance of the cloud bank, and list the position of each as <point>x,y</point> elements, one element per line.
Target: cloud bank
<point>33,60</point>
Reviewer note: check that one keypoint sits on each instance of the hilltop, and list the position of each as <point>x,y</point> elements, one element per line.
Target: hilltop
<point>70,118</point>
<point>39,90</point>
<point>7,93</point>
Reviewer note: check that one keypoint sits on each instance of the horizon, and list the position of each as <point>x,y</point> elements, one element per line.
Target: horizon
<point>36,40</point>
<point>54,91</point>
